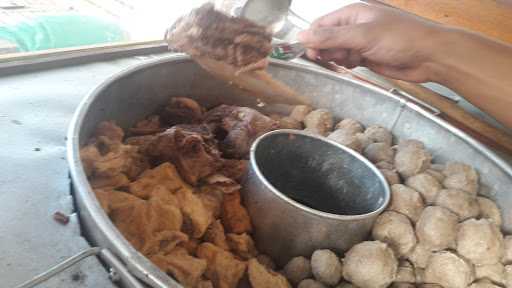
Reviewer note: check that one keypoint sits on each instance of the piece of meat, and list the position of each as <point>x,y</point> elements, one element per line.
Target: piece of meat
<point>191,148</point>
<point>240,125</point>
<point>190,245</point>
<point>196,215</point>
<point>212,202</point>
<point>259,276</point>
<point>223,269</point>
<point>151,226</point>
<point>212,34</point>
<point>182,110</point>
<point>242,245</point>
<point>141,142</point>
<point>148,126</point>
<point>110,130</point>
<point>183,267</point>
<point>215,235</point>
<point>223,183</point>
<point>113,182</point>
<point>163,175</point>
<point>234,169</point>
<point>235,217</point>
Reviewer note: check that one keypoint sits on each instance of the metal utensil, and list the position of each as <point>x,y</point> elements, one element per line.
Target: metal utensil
<point>305,192</point>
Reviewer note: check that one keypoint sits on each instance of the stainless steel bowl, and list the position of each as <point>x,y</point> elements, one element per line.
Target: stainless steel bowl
<point>138,91</point>
<point>305,192</point>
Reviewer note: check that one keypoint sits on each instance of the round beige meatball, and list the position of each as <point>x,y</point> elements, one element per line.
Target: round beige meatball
<point>319,122</point>
<point>396,230</point>
<point>507,250</point>
<point>364,139</point>
<point>448,270</point>
<point>377,152</point>
<point>297,269</point>
<point>370,264</point>
<point>489,210</point>
<point>407,201</point>
<point>437,228</point>
<point>300,112</point>
<point>426,185</point>
<point>461,176</point>
<point>459,202</point>
<point>412,161</point>
<point>419,256</point>
<point>385,165</point>
<point>480,241</point>
<point>310,283</point>
<point>377,133</point>
<point>326,267</point>
<point>391,176</point>
<point>345,284</point>
<point>289,123</point>
<point>493,272</point>
<point>350,125</point>
<point>346,139</point>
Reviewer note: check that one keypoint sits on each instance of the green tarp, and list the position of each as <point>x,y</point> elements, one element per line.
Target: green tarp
<point>59,31</point>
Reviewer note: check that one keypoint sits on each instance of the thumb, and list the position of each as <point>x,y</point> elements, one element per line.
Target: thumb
<point>341,37</point>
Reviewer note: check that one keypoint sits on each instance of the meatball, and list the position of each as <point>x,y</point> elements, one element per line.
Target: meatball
<point>426,185</point>
<point>297,269</point>
<point>459,202</point>
<point>326,267</point>
<point>377,133</point>
<point>407,201</point>
<point>411,161</point>
<point>448,270</point>
<point>300,112</point>
<point>396,230</point>
<point>350,125</point>
<point>410,143</point>
<point>489,210</point>
<point>377,152</point>
<point>480,241</point>
<point>319,122</point>
<point>419,256</point>
<point>493,272</point>
<point>310,283</point>
<point>289,123</point>
<point>461,176</point>
<point>370,264</point>
<point>405,273</point>
<point>391,176</point>
<point>437,228</point>
<point>346,139</point>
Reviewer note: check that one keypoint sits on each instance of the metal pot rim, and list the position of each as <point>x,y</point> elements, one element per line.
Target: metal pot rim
<point>254,165</point>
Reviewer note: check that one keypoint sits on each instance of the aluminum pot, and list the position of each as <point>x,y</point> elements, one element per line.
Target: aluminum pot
<point>137,92</point>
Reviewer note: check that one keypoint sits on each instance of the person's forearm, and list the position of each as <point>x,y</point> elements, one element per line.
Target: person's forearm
<point>478,69</point>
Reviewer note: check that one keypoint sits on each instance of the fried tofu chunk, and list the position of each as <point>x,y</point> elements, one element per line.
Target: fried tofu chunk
<point>183,267</point>
<point>261,277</point>
<point>235,217</point>
<point>224,270</point>
<point>242,245</point>
<point>216,235</point>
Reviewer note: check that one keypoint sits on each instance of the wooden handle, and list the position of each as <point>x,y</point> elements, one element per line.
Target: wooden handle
<point>486,133</point>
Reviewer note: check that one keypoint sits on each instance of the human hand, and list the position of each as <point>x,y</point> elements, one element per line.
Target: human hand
<point>390,42</point>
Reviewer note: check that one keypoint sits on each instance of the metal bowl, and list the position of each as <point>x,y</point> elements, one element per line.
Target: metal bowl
<point>137,92</point>
<point>306,192</point>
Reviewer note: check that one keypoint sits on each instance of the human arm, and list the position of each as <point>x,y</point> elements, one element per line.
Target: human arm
<point>402,46</point>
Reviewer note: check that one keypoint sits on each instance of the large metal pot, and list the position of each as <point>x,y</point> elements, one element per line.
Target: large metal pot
<point>137,92</point>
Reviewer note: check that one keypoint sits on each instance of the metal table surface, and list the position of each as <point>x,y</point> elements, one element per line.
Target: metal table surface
<point>35,110</point>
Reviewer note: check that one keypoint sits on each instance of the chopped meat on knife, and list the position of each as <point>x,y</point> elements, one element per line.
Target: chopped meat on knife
<point>209,33</point>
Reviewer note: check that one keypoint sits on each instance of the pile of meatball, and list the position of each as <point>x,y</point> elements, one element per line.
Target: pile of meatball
<point>436,232</point>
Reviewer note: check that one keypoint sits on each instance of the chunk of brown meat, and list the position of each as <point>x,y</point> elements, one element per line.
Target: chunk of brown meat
<point>212,34</point>
<point>110,130</point>
<point>148,126</point>
<point>185,268</point>
<point>182,110</point>
<point>141,142</point>
<point>224,270</point>
<point>191,148</point>
<point>261,277</point>
<point>234,168</point>
<point>196,215</point>
<point>235,217</point>
<point>241,125</point>
<point>242,245</point>
<point>164,175</point>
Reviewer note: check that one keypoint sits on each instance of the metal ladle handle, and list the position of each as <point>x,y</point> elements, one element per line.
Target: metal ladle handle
<point>117,271</point>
